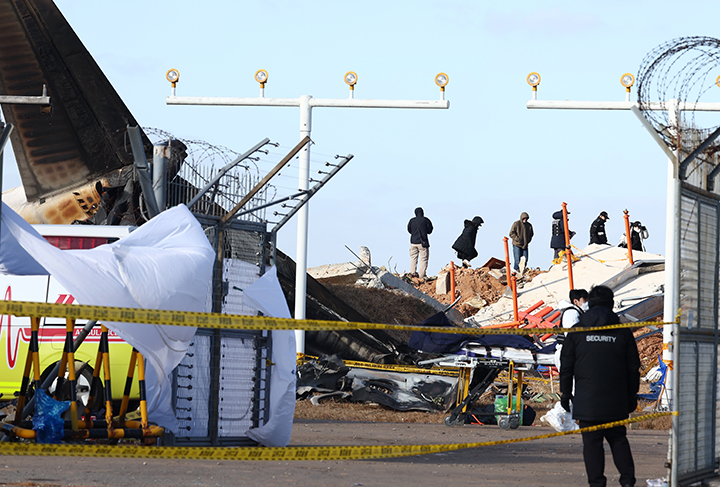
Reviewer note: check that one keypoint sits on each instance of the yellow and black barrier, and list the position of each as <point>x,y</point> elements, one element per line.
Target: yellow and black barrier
<point>242,322</point>
<point>307,453</point>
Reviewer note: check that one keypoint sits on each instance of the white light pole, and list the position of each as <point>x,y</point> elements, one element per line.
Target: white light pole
<point>672,211</point>
<point>306,103</point>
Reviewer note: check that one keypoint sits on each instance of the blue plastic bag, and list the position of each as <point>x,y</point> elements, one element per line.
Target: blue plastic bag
<point>48,422</point>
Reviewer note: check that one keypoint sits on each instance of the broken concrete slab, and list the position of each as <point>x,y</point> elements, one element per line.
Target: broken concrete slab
<point>442,284</point>
<point>496,274</point>
<point>393,282</point>
<point>476,302</point>
<point>344,274</point>
<point>365,256</point>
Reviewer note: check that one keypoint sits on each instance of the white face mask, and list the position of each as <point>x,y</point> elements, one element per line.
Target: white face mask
<point>585,306</point>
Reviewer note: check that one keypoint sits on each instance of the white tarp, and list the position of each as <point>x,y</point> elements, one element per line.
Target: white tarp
<point>267,296</point>
<point>165,264</point>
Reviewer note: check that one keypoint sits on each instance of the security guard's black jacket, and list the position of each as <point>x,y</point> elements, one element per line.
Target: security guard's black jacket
<point>606,368</point>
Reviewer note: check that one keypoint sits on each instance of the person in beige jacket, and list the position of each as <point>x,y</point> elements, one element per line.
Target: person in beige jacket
<point>521,234</point>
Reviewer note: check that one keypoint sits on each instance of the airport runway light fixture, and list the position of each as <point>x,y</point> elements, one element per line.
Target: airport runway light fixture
<point>173,76</point>
<point>627,80</point>
<point>442,79</point>
<point>261,76</point>
<point>351,79</point>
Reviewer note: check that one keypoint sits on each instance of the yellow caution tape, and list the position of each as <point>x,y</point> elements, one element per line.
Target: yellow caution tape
<point>273,454</point>
<point>241,322</point>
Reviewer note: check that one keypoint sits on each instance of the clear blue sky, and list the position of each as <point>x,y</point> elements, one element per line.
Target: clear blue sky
<point>487,155</point>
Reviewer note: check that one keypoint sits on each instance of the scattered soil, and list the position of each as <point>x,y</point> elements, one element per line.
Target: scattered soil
<point>471,284</point>
<point>649,347</point>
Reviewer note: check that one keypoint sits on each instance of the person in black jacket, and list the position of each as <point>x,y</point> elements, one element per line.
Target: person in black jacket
<point>465,243</point>
<point>638,233</point>
<point>597,229</point>
<point>605,367</point>
<point>419,228</point>
<point>557,241</point>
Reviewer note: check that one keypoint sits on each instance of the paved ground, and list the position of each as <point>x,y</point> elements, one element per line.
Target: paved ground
<point>553,462</point>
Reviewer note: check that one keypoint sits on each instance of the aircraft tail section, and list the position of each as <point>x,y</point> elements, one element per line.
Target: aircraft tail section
<point>82,139</point>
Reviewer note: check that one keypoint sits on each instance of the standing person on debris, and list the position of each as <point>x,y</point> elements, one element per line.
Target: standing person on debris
<point>638,233</point>
<point>605,367</point>
<point>557,241</point>
<point>597,229</point>
<point>465,243</point>
<point>419,228</point>
<point>571,311</point>
<point>521,234</point>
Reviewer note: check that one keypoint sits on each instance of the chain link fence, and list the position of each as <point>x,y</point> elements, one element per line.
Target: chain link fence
<point>697,365</point>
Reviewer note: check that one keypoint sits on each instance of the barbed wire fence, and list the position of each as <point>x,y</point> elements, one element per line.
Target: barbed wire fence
<point>682,69</point>
<point>202,163</point>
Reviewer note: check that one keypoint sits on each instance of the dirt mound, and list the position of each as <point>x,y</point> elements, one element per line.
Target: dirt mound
<point>383,305</point>
<point>473,285</point>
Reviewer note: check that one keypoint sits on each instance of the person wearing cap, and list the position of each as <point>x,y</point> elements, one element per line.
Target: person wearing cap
<point>419,228</point>
<point>465,244</point>
<point>638,233</point>
<point>597,229</point>
<point>521,234</point>
<point>557,241</point>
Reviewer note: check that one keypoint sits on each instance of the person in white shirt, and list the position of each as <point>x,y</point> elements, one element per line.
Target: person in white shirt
<point>571,311</point>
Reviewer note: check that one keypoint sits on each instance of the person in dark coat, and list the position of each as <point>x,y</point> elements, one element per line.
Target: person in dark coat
<point>638,233</point>
<point>557,240</point>
<point>604,366</point>
<point>521,234</point>
<point>419,228</point>
<point>597,229</point>
<point>465,243</point>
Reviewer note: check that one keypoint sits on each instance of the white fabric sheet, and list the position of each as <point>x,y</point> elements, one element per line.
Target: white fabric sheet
<point>165,264</point>
<point>267,296</point>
